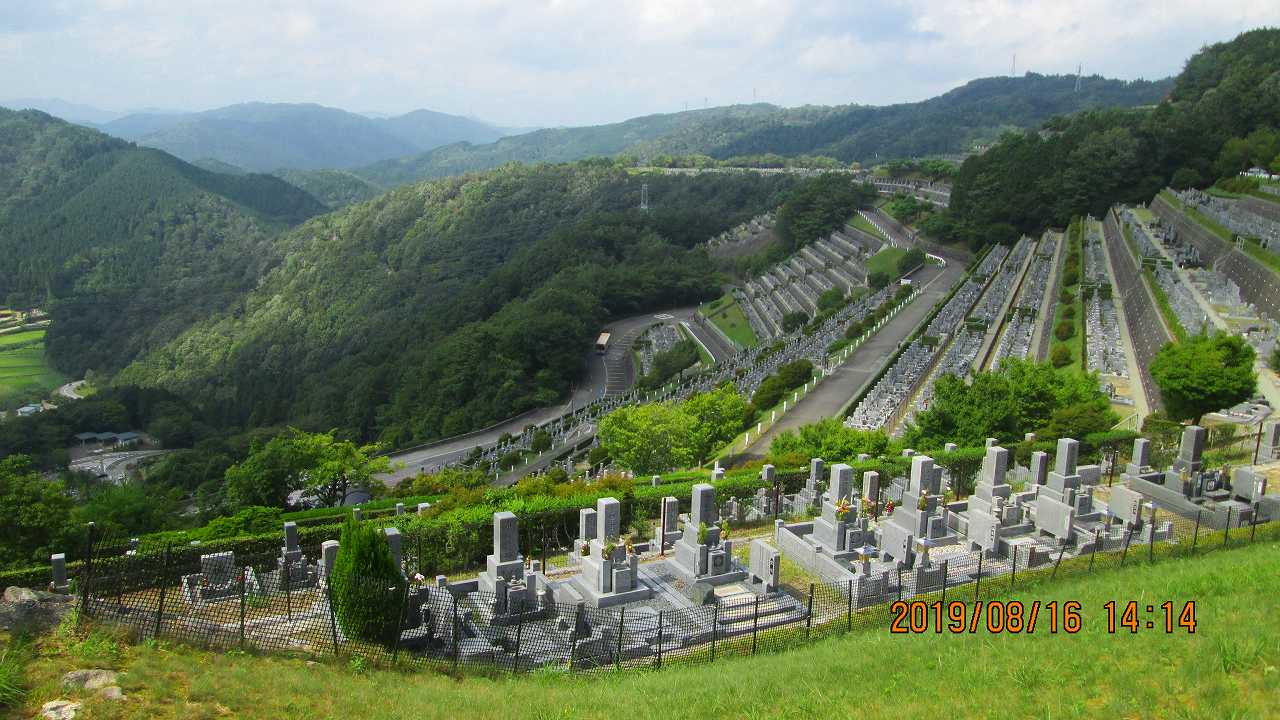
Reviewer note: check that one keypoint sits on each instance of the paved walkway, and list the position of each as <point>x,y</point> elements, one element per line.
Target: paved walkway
<point>832,397</point>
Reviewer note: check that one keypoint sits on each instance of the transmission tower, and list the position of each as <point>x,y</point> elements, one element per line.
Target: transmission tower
<point>644,196</point>
<point>1078,69</point>
<point>1013,66</point>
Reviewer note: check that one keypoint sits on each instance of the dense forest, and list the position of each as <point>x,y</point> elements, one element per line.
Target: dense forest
<point>974,113</point>
<point>1084,163</point>
<point>449,305</point>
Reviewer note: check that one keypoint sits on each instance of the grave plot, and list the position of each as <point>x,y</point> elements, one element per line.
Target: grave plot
<point>656,339</point>
<point>1235,217</point>
<point>1104,346</point>
<point>1189,313</point>
<point>1240,317</point>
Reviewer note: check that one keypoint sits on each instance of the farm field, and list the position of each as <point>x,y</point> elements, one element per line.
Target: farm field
<point>23,371</point>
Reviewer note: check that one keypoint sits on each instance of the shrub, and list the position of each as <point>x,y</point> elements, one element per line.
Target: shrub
<point>1060,356</point>
<point>366,585</point>
<point>1064,330</point>
<point>1067,297</point>
<point>11,671</point>
<point>1069,312</point>
<point>793,321</point>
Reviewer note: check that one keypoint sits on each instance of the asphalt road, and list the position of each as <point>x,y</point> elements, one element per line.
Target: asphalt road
<point>115,465</point>
<point>831,397</point>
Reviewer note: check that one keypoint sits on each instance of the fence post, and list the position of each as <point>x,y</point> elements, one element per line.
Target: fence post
<point>659,639</point>
<point>86,573</point>
<point>755,625</point>
<point>977,580</point>
<point>1128,536</point>
<point>945,571</point>
<point>899,583</point>
<point>715,630</point>
<point>1054,574</point>
<point>455,630</point>
<point>1226,534</point>
<point>1195,537</point>
<point>1253,522</point>
<point>333,617</point>
<point>1097,547</point>
<point>404,612</point>
<point>1013,573</point>
<point>849,615</point>
<point>573,637</point>
<point>242,598</point>
<point>164,586</point>
<point>617,655</point>
<point>808,619</point>
<point>515,663</point>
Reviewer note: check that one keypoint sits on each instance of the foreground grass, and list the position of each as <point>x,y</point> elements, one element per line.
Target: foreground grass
<point>1228,668</point>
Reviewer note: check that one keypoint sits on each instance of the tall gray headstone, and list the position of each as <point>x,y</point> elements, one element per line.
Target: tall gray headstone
<point>767,474</point>
<point>949,447</point>
<point>703,505</point>
<point>1039,467</point>
<point>290,535</point>
<point>921,474</point>
<point>1141,452</point>
<point>58,564</point>
<point>992,442</point>
<point>399,508</point>
<point>815,474</point>
<point>1125,505</point>
<point>670,513</point>
<point>1271,441</point>
<point>393,542</point>
<point>586,523</point>
<point>506,536</point>
<point>717,475</point>
<point>994,465</point>
<point>1192,445</point>
<point>329,555</point>
<point>841,486</point>
<point>870,484</point>
<point>608,519</point>
<point>1064,463</point>
<point>655,481</point>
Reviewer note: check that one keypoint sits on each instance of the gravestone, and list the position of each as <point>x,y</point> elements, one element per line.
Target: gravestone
<point>1126,506</point>
<point>586,523</point>
<point>1190,450</point>
<point>870,485</point>
<point>1247,485</point>
<point>291,535</point>
<point>765,565</point>
<point>328,556</point>
<point>393,542</point>
<point>703,505</point>
<point>1039,467</point>
<point>1270,442</point>
<point>506,536</point>
<point>58,564</point>
<point>608,519</point>
<point>1141,460</point>
<point>668,518</point>
<point>1064,462</point>
<point>1054,517</point>
<point>399,508</point>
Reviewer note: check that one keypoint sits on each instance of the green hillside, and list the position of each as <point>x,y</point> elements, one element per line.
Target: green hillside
<point>951,123</point>
<point>334,188</point>
<point>265,136</point>
<point>125,246</point>
<point>1227,665</point>
<point>376,317</point>
<point>1220,118</point>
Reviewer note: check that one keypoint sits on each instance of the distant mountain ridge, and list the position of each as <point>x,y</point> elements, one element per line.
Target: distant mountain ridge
<point>265,136</point>
<point>973,113</point>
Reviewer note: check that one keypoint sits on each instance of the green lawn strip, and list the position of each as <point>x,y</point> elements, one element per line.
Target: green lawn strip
<point>1075,343</point>
<point>1226,666</point>
<point>726,314</point>
<point>865,225</point>
<point>1162,304</point>
<point>886,260</point>
<point>20,338</point>
<point>1266,257</point>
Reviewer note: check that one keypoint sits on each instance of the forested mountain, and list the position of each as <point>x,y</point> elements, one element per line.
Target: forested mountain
<point>1208,128</point>
<point>265,136</point>
<point>335,188</point>
<point>448,305</point>
<point>977,112</point>
<point>125,245</point>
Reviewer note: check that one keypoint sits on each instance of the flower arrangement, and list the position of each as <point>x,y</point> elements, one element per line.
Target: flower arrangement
<point>586,550</point>
<point>609,548</point>
<point>888,507</point>
<point>702,533</point>
<point>724,530</point>
<point>843,506</point>
<point>868,506</point>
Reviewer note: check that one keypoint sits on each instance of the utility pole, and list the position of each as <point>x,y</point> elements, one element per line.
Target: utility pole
<point>1013,66</point>
<point>644,196</point>
<point>1078,69</point>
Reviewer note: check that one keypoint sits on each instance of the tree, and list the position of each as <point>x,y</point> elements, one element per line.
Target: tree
<point>831,300</point>
<point>962,466</point>
<point>1060,356</point>
<point>34,514</point>
<point>914,258</point>
<point>327,469</point>
<point>1204,374</point>
<point>541,441</point>
<point>648,438</point>
<point>878,279</point>
<point>718,416</point>
<point>828,439</point>
<point>793,321</point>
<point>1064,330</point>
<point>366,585</point>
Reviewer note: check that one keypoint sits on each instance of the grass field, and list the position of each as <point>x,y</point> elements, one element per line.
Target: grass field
<point>1076,342</point>
<point>862,224</point>
<point>23,371</point>
<point>1227,668</point>
<point>886,260</point>
<point>727,316</point>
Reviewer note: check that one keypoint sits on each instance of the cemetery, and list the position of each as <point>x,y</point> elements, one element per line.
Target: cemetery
<point>840,545</point>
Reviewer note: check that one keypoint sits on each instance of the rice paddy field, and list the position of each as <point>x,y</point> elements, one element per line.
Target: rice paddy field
<point>24,374</point>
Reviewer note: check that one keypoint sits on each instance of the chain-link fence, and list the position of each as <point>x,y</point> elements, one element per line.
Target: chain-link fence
<point>268,598</point>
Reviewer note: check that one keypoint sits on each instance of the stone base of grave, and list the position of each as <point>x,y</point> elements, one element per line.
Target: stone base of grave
<point>576,591</point>
<point>1211,517</point>
<point>690,575</point>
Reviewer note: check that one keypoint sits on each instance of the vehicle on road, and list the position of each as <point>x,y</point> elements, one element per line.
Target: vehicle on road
<point>602,344</point>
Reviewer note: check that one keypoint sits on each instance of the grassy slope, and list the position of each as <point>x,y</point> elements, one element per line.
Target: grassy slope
<point>1076,342</point>
<point>728,316</point>
<point>886,260</point>
<point>863,224</point>
<point>22,366</point>
<point>1227,668</point>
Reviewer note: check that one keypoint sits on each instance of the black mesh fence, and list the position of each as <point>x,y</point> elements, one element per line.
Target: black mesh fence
<point>268,599</point>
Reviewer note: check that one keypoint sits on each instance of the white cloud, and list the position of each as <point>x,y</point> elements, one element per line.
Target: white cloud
<point>580,61</point>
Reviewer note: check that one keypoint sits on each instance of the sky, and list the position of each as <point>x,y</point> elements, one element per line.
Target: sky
<point>580,62</point>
